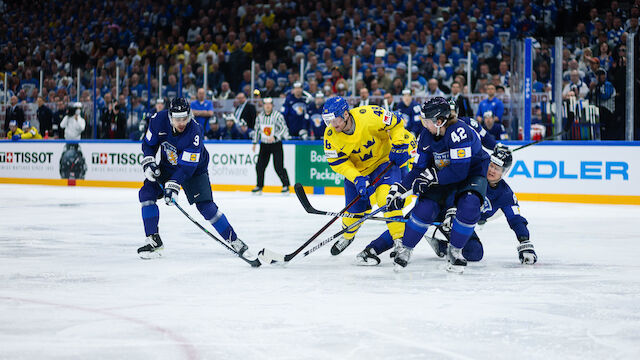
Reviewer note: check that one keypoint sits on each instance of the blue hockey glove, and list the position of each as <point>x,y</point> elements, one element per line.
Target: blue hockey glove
<point>150,168</point>
<point>526,253</point>
<point>362,186</point>
<point>171,191</point>
<point>426,179</point>
<point>16,137</point>
<point>394,198</point>
<point>399,154</point>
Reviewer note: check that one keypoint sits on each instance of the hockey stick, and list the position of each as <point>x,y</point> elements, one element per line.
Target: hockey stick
<point>271,257</point>
<point>253,263</point>
<point>360,221</point>
<point>304,201</point>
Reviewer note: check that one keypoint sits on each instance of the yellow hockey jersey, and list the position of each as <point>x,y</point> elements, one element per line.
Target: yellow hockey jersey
<point>32,133</point>
<point>17,132</point>
<point>363,151</point>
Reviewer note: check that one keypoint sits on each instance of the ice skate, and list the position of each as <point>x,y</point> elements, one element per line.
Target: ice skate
<point>397,243</point>
<point>153,249</point>
<point>455,261</point>
<point>438,246</point>
<point>367,257</point>
<point>402,258</point>
<point>257,190</point>
<point>240,247</point>
<point>340,245</point>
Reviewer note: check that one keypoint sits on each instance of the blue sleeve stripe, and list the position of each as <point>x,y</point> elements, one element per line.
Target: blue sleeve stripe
<point>337,162</point>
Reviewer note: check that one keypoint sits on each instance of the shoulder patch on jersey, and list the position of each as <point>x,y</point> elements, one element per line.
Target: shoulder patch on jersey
<point>461,153</point>
<point>362,111</point>
<point>330,132</point>
<point>331,154</point>
<point>387,118</point>
<point>190,157</point>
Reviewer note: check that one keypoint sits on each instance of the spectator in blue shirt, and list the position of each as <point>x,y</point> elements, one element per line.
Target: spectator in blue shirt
<point>496,107</point>
<point>202,109</point>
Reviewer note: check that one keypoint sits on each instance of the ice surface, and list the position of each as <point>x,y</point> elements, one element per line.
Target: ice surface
<point>72,286</point>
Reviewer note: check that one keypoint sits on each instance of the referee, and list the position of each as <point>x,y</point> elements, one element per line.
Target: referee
<point>270,129</point>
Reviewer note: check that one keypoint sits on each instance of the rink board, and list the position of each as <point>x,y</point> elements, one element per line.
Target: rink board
<point>583,172</point>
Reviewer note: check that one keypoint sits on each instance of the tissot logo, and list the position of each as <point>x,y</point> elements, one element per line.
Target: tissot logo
<point>26,157</point>
<point>116,158</point>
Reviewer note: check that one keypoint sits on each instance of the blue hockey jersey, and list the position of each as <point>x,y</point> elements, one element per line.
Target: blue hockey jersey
<point>411,116</point>
<point>456,155</point>
<point>294,111</point>
<point>183,154</point>
<point>501,197</point>
<point>314,118</point>
<point>487,139</point>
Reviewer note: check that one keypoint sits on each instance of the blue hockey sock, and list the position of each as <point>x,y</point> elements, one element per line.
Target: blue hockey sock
<point>150,217</point>
<point>473,250</point>
<point>421,217</point>
<point>465,221</point>
<point>212,214</point>
<point>383,243</point>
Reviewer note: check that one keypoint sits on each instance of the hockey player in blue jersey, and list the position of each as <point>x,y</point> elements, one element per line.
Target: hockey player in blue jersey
<point>184,161</point>
<point>294,111</point>
<point>411,112</point>
<point>314,117</point>
<point>451,161</point>
<point>499,197</point>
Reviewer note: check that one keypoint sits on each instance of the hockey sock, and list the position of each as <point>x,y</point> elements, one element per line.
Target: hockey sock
<point>473,250</point>
<point>348,221</point>
<point>212,214</point>
<point>421,217</point>
<point>383,243</point>
<point>150,217</point>
<point>465,221</point>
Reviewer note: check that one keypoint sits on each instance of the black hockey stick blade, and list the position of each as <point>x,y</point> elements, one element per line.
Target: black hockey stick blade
<point>254,263</point>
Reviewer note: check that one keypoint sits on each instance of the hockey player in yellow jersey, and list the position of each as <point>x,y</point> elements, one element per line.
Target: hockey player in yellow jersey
<point>359,143</point>
<point>15,133</point>
<point>30,132</point>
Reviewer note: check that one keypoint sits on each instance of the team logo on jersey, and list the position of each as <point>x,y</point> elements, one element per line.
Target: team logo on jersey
<point>441,159</point>
<point>362,111</point>
<point>267,130</point>
<point>171,152</point>
<point>369,143</point>
<point>486,207</point>
<point>298,108</point>
<point>366,156</point>
<point>330,132</point>
<point>317,120</point>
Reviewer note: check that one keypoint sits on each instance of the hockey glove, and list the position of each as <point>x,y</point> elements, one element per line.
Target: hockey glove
<point>394,198</point>
<point>150,168</point>
<point>447,223</point>
<point>362,186</point>
<point>16,137</point>
<point>399,154</point>
<point>526,253</point>
<point>171,191</point>
<point>426,179</point>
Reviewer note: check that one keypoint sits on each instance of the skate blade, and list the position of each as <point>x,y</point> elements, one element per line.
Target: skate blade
<point>398,268</point>
<point>368,262</point>
<point>148,255</point>
<point>456,269</point>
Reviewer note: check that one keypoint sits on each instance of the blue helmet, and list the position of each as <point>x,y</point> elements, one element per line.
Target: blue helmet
<point>334,107</point>
<point>26,124</point>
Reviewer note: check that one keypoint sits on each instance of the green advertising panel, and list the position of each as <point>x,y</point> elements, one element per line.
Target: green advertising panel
<point>312,168</point>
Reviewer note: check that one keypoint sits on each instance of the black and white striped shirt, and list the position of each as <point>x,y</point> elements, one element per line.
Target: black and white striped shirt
<point>270,125</point>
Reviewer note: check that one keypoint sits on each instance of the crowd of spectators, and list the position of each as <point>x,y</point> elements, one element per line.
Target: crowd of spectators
<point>61,38</point>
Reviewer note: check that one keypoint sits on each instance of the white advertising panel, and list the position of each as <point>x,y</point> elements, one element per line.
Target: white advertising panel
<point>589,170</point>
<point>229,164</point>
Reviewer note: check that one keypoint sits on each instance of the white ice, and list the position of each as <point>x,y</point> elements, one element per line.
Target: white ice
<point>72,286</point>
